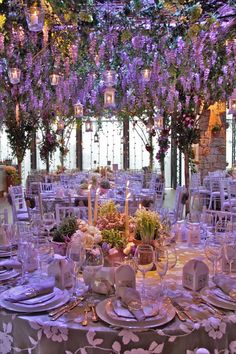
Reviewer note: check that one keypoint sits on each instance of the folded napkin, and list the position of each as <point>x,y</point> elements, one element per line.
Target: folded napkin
<point>103,281</point>
<point>226,284</point>
<point>130,297</point>
<point>30,292</point>
<point>10,264</point>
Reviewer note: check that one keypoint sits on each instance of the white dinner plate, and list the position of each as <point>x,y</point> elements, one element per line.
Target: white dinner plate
<point>106,313</point>
<point>5,254</point>
<point>9,274</point>
<point>60,298</point>
<point>210,296</point>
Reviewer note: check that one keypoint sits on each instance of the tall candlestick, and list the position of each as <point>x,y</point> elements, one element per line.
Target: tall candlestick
<point>89,205</point>
<point>127,215</point>
<point>95,217</point>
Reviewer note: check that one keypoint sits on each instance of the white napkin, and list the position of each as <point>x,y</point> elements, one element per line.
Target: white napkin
<point>30,292</point>
<point>130,297</point>
<point>10,264</point>
<point>226,284</point>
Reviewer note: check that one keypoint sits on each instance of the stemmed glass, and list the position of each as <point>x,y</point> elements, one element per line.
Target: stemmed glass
<point>161,262</point>
<point>94,261</point>
<point>229,247</point>
<point>76,252</point>
<point>213,251</point>
<point>49,221</point>
<point>144,260</point>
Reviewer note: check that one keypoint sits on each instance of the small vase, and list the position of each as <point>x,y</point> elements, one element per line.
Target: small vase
<point>59,248</point>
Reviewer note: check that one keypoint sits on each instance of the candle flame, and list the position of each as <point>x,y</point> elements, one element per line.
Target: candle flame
<point>97,191</point>
<point>89,186</point>
<point>127,184</point>
<point>128,195</point>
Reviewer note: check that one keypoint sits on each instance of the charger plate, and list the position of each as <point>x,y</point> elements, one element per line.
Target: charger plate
<point>107,314</point>
<point>210,295</point>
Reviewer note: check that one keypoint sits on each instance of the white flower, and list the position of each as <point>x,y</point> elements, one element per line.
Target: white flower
<point>137,351</point>
<point>232,347</point>
<point>112,251</point>
<point>97,237</point>
<point>215,327</point>
<point>5,341</point>
<point>56,334</point>
<point>128,336</point>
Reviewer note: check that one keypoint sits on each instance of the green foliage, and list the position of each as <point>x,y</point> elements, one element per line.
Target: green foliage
<point>114,238</point>
<point>107,208</point>
<point>65,230</point>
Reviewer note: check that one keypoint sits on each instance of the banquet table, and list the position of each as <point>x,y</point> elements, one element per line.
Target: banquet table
<point>37,333</point>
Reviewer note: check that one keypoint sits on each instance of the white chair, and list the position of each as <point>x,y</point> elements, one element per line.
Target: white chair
<point>159,196</point>
<point>19,208</point>
<point>4,216</point>
<point>65,211</point>
<point>215,195</point>
<point>198,192</point>
<point>176,213</point>
<point>48,188</point>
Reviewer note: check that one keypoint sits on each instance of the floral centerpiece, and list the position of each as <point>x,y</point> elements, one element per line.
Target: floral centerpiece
<point>62,235</point>
<point>149,227</point>
<point>12,176</point>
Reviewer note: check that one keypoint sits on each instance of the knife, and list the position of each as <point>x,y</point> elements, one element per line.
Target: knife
<point>181,315</point>
<point>66,309</point>
<point>183,310</point>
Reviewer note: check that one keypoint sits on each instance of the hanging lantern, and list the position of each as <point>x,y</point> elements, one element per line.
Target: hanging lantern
<point>88,126</point>
<point>35,18</point>
<point>96,138</point>
<point>60,125</point>
<point>78,109</point>
<point>14,75</point>
<point>109,97</point>
<point>54,79</point>
<point>146,74</point>
<point>232,103</point>
<point>109,78</point>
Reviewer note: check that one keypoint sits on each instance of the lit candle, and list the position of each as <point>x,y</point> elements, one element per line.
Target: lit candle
<point>96,206</point>
<point>89,205</point>
<point>127,189</point>
<point>140,206</point>
<point>109,98</point>
<point>34,20</point>
<point>127,215</point>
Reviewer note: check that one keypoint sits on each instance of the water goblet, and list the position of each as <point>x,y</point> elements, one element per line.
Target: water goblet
<point>49,221</point>
<point>94,261</point>
<point>213,251</point>
<point>161,262</point>
<point>76,252</point>
<point>229,248</point>
<point>144,261</point>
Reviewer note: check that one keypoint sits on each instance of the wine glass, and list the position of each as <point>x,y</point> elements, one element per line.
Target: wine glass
<point>213,251</point>
<point>144,260</point>
<point>76,252</point>
<point>94,261</point>
<point>229,248</point>
<point>161,261</point>
<point>49,221</point>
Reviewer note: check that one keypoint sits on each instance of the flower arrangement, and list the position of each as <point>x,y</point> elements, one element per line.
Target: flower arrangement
<point>65,230</point>
<point>148,225</point>
<point>12,172</point>
<point>88,234</point>
<point>105,184</point>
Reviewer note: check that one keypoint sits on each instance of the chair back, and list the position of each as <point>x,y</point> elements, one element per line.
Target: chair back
<point>65,211</point>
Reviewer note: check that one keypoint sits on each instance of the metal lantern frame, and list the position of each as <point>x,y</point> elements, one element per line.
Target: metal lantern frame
<point>146,74</point>
<point>78,109</point>
<point>35,18</point>
<point>54,79</point>
<point>232,103</point>
<point>88,126</point>
<point>14,75</point>
<point>109,97</point>
<point>109,78</point>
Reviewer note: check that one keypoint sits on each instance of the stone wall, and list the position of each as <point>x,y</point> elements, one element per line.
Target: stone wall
<point>212,147</point>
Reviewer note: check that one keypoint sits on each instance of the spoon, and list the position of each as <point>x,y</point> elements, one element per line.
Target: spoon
<point>85,320</point>
<point>94,313</point>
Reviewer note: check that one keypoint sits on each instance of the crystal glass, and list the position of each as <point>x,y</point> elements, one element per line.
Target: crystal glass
<point>229,248</point>
<point>93,262</point>
<point>213,251</point>
<point>144,260</point>
<point>161,263</point>
<point>49,221</point>
<point>76,252</point>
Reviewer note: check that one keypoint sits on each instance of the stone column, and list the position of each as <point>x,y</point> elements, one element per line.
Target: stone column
<point>212,146</point>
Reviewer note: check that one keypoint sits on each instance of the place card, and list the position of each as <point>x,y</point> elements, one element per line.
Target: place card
<point>195,275</point>
<point>124,278</point>
<point>62,269</point>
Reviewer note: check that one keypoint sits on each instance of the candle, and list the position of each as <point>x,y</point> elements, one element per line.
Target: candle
<point>127,215</point>
<point>89,205</point>
<point>140,206</point>
<point>96,206</point>
<point>127,189</point>
<point>34,20</point>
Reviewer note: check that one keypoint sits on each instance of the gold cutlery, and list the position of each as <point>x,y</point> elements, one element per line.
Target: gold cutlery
<point>183,310</point>
<point>181,316</point>
<point>199,300</point>
<point>94,313</point>
<point>85,319</point>
<point>65,309</point>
